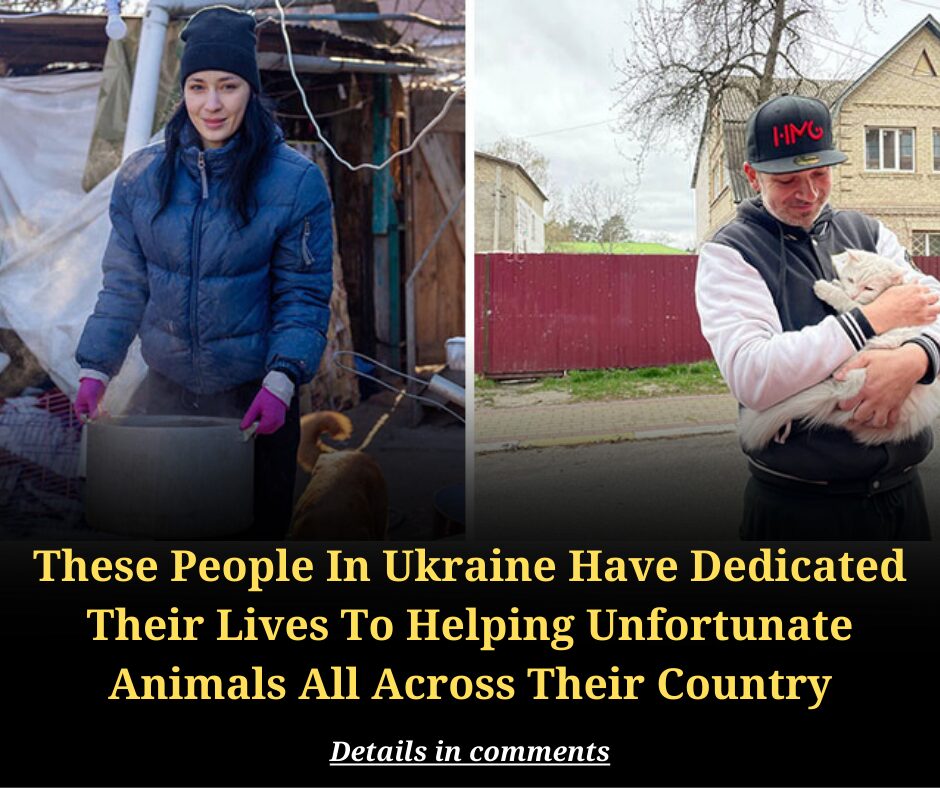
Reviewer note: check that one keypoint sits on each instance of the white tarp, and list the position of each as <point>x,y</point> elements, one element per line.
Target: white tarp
<point>52,234</point>
<point>45,131</point>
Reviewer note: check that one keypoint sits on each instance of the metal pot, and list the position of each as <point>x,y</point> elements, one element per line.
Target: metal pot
<point>455,350</point>
<point>169,476</point>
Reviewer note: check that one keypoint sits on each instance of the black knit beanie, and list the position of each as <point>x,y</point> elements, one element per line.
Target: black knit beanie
<point>219,38</point>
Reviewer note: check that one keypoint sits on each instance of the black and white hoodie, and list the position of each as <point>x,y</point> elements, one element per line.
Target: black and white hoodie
<point>772,337</point>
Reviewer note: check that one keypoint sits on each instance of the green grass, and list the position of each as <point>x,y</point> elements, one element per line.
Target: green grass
<point>677,379</point>
<point>701,377</point>
<point>629,247</point>
<point>484,390</point>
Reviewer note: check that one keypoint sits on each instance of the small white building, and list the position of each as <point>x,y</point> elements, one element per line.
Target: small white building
<point>509,207</point>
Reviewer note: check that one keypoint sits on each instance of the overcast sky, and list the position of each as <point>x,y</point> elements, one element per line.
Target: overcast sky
<point>546,65</point>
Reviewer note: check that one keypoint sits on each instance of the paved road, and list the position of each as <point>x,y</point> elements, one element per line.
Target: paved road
<point>682,488</point>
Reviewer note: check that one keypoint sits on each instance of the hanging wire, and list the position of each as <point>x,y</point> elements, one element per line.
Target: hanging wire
<point>387,385</point>
<point>332,150</point>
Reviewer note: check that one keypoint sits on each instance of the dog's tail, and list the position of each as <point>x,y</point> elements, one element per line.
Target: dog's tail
<point>312,426</point>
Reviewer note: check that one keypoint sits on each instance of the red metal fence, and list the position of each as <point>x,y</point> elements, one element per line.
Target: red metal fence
<point>929,265</point>
<point>543,313</point>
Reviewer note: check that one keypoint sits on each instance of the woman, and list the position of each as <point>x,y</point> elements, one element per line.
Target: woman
<point>220,256</point>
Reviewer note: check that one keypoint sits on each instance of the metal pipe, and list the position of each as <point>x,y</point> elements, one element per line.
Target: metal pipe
<point>420,19</point>
<point>187,7</point>
<point>312,64</point>
<point>451,391</point>
<point>146,79</point>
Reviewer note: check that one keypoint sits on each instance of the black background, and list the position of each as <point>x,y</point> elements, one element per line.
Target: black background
<point>873,728</point>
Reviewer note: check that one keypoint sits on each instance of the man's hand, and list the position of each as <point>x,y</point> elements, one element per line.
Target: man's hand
<point>889,377</point>
<point>902,305</point>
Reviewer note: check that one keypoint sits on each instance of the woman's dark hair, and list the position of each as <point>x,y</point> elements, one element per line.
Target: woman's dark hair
<point>251,150</point>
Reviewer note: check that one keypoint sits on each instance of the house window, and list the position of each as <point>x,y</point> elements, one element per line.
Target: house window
<point>889,149</point>
<point>925,242</point>
<point>936,150</point>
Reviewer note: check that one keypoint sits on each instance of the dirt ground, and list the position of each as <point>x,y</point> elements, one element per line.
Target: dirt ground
<point>518,394</point>
<point>513,394</point>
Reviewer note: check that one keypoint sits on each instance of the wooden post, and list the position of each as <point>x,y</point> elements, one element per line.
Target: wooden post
<point>381,196</point>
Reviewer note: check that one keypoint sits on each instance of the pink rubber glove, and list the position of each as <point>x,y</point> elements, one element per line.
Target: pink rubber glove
<point>268,411</point>
<point>90,392</point>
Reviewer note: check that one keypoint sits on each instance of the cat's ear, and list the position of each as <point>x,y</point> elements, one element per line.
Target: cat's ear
<point>896,278</point>
<point>853,256</point>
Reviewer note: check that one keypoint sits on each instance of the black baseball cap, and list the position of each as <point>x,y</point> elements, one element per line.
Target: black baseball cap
<point>789,134</point>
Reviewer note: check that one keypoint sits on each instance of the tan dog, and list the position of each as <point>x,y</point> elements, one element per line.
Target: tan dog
<point>347,497</point>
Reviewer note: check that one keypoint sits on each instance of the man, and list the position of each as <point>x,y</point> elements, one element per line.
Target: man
<point>772,337</point>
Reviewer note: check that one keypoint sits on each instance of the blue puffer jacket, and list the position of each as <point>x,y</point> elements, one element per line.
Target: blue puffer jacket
<point>216,304</point>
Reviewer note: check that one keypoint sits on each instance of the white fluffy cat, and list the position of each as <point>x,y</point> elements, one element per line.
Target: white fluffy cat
<point>862,276</point>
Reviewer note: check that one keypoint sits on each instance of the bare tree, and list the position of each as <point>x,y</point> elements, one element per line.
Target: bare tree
<point>607,210</point>
<point>32,6</point>
<point>517,150</point>
<point>686,53</point>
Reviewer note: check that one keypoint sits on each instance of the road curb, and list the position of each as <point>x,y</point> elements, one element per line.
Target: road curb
<point>490,448</point>
<point>682,432</point>
<point>620,437</point>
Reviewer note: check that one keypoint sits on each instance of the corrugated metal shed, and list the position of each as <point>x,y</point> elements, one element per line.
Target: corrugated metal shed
<point>424,38</point>
<point>29,45</point>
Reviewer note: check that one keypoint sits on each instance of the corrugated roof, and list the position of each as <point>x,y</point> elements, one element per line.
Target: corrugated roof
<point>737,101</point>
<point>30,43</point>
<point>411,33</point>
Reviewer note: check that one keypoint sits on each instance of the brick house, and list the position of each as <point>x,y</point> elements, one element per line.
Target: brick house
<point>509,207</point>
<point>887,121</point>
